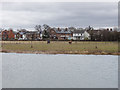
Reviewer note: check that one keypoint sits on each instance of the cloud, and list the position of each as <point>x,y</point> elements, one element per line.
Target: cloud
<point>27,15</point>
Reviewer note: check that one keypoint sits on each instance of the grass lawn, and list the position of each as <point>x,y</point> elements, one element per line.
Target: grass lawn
<point>60,46</point>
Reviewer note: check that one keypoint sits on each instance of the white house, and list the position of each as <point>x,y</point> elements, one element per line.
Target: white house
<point>81,35</point>
<point>22,35</point>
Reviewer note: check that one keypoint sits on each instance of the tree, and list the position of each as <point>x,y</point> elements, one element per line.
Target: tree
<point>89,28</point>
<point>72,28</point>
<point>46,32</point>
<point>46,27</point>
<point>38,28</point>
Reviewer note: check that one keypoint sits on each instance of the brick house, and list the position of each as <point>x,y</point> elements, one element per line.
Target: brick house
<point>0,35</point>
<point>53,34</point>
<point>5,35</point>
<point>8,35</point>
<point>11,35</point>
<point>60,34</point>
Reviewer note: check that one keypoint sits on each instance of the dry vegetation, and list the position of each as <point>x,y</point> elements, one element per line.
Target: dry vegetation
<point>60,47</point>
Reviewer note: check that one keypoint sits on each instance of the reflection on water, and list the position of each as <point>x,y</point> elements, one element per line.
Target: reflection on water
<point>59,71</point>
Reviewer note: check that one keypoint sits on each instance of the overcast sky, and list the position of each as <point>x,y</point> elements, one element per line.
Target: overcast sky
<point>59,14</point>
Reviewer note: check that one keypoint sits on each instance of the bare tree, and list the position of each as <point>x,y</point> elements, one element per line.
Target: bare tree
<point>46,27</point>
<point>38,28</point>
<point>89,28</point>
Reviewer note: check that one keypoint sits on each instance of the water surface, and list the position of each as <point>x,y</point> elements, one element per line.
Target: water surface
<point>59,71</point>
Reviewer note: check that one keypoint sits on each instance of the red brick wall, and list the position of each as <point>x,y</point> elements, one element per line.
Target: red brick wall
<point>8,35</point>
<point>4,35</point>
<point>58,35</point>
<point>11,34</point>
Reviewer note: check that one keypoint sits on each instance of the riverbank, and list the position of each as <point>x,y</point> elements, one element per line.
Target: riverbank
<point>60,47</point>
<point>60,52</point>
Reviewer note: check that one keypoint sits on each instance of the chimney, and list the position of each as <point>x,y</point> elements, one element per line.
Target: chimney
<point>107,29</point>
<point>58,29</point>
<point>66,29</point>
<point>110,29</point>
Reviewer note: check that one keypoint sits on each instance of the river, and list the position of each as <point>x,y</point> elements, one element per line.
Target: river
<point>59,71</point>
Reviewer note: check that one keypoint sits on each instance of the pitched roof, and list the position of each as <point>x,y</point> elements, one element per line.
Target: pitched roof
<point>63,31</point>
<point>79,31</point>
<point>14,32</point>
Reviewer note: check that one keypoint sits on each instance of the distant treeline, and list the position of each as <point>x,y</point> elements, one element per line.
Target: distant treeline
<point>105,35</point>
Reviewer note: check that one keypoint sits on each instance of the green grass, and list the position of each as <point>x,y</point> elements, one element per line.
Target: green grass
<point>109,47</point>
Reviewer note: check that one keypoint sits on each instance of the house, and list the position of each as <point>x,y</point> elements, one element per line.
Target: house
<point>23,34</point>
<point>33,35</point>
<point>81,35</point>
<point>0,35</point>
<point>5,35</point>
<point>60,34</point>
<point>8,35</point>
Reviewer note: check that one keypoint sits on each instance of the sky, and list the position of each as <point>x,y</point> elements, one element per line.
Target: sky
<point>59,14</point>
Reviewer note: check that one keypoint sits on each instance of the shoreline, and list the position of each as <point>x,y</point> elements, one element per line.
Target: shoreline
<point>60,52</point>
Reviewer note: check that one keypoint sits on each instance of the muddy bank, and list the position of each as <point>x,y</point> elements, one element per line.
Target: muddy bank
<point>61,52</point>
